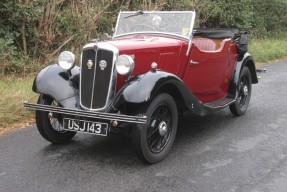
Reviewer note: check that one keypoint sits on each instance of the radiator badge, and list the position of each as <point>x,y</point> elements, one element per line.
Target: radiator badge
<point>103,64</point>
<point>90,64</point>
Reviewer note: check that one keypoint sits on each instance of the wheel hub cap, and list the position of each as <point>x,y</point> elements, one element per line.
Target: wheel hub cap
<point>245,90</point>
<point>162,128</point>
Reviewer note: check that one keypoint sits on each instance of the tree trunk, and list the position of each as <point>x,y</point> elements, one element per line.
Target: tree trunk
<point>24,41</point>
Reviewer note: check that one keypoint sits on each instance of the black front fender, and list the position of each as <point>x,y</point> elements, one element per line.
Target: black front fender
<point>56,83</point>
<point>139,91</point>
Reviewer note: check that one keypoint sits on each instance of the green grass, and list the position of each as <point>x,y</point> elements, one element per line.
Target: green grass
<point>267,50</point>
<point>13,92</point>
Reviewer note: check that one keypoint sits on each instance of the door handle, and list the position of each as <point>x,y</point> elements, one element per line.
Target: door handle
<point>193,62</point>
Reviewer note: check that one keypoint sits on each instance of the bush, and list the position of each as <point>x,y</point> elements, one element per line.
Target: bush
<point>40,29</point>
<point>10,60</point>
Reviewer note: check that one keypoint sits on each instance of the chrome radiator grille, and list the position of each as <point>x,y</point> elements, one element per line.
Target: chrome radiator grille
<point>97,76</point>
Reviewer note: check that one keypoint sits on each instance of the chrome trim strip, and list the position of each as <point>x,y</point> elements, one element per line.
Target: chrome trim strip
<point>95,70</point>
<point>90,114</point>
<point>103,46</point>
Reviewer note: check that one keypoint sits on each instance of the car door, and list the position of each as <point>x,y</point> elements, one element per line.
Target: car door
<point>207,73</point>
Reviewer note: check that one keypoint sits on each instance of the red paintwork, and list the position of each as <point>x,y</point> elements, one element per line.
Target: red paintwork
<point>168,53</point>
<point>208,81</point>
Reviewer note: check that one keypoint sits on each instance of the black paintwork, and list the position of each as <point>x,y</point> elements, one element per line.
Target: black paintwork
<point>54,81</point>
<point>95,82</point>
<point>246,60</point>
<point>87,76</point>
<point>139,91</point>
<point>102,79</point>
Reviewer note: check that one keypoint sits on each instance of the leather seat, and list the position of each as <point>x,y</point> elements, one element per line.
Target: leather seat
<point>204,44</point>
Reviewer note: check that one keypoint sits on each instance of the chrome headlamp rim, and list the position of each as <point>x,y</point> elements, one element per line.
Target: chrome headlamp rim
<point>66,60</point>
<point>124,64</point>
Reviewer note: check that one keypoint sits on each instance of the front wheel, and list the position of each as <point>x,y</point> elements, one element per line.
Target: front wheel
<point>49,124</point>
<point>240,106</point>
<point>153,141</point>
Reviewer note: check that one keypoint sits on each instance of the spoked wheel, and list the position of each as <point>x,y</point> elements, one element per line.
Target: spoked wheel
<point>244,93</point>
<point>153,141</point>
<point>49,124</point>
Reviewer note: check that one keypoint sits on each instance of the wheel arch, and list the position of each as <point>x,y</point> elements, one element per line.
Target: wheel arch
<point>251,66</point>
<point>248,61</point>
<point>174,92</point>
<point>139,91</point>
<point>56,83</point>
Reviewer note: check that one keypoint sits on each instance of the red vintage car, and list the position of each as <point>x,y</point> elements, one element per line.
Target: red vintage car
<point>154,67</point>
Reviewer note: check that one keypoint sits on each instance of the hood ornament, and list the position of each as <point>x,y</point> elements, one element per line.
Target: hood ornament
<point>90,64</point>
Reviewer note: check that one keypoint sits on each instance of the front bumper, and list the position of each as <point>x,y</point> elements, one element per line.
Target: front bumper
<point>88,114</point>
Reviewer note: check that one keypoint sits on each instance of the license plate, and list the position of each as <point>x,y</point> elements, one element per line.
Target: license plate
<point>92,127</point>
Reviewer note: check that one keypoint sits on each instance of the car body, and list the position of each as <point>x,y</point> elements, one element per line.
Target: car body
<point>156,66</point>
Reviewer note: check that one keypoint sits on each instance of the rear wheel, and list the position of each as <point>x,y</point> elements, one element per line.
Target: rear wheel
<point>240,106</point>
<point>153,141</point>
<point>49,124</point>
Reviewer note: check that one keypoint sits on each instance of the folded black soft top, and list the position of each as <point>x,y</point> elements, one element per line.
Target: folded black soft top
<point>238,37</point>
<point>217,33</point>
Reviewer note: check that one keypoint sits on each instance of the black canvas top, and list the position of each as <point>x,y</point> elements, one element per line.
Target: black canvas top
<point>238,37</point>
<point>216,33</point>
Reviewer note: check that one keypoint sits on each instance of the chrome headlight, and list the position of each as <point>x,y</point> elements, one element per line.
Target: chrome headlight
<point>125,64</point>
<point>66,60</point>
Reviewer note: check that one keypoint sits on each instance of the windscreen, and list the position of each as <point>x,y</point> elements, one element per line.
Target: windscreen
<point>178,23</point>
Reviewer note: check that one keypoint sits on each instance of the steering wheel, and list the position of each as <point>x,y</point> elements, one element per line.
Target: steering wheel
<point>141,26</point>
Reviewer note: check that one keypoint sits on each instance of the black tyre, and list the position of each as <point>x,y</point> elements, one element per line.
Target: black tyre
<point>49,124</point>
<point>153,141</point>
<point>240,106</point>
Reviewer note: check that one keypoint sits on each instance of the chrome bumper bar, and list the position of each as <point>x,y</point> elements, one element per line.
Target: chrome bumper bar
<point>90,114</point>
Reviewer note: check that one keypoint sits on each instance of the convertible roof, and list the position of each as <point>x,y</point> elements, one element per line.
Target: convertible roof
<point>217,33</point>
<point>239,37</point>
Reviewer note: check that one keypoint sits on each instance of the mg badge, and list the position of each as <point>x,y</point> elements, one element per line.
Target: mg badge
<point>90,64</point>
<point>103,64</point>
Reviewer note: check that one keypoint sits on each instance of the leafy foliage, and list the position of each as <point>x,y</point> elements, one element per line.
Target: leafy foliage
<point>38,30</point>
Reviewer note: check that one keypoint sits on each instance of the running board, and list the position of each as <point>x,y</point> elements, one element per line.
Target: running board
<point>220,103</point>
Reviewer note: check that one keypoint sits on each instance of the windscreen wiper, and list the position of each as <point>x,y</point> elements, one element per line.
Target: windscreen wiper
<point>140,12</point>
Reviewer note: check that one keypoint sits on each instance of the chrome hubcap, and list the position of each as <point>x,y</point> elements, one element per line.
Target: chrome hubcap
<point>162,128</point>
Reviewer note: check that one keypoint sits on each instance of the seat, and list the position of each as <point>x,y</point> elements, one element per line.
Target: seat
<point>204,44</point>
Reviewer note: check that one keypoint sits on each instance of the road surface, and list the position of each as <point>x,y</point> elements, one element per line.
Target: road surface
<point>216,153</point>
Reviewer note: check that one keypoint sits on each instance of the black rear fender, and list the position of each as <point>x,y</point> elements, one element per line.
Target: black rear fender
<point>246,60</point>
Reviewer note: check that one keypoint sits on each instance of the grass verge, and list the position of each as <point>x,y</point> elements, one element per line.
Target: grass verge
<point>13,92</point>
<point>269,49</point>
